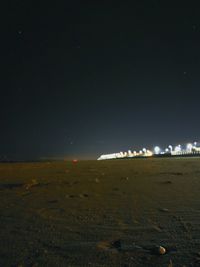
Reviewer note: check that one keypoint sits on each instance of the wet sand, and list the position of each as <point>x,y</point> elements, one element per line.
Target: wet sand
<point>100,213</point>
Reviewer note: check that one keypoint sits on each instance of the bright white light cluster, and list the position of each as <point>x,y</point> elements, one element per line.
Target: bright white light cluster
<point>178,149</point>
<point>142,153</point>
<point>190,148</point>
<point>185,150</point>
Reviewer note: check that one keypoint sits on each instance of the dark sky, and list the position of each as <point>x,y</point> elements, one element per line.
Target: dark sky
<point>82,79</point>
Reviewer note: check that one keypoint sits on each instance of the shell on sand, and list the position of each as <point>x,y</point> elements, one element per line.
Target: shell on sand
<point>161,250</point>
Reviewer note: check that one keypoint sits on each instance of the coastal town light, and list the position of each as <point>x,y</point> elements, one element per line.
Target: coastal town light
<point>178,148</point>
<point>157,150</point>
<point>192,148</point>
<point>189,147</point>
<point>170,147</point>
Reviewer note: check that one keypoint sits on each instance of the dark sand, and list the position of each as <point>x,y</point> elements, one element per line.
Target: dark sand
<point>71,214</point>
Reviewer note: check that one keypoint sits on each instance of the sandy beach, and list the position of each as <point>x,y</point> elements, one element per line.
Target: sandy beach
<point>108,213</point>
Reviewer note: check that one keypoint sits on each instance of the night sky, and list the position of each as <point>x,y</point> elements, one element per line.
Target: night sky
<point>83,79</point>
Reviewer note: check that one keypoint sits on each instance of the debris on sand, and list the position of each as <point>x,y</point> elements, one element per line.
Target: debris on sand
<point>157,228</point>
<point>114,245</point>
<point>33,183</point>
<point>167,182</point>
<point>164,210</point>
<point>83,195</point>
<point>125,178</point>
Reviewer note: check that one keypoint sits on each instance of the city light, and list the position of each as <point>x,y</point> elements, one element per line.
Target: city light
<point>190,149</point>
<point>177,148</point>
<point>157,150</point>
<point>170,147</point>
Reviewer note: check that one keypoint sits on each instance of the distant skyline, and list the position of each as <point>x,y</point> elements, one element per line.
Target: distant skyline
<point>84,79</point>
